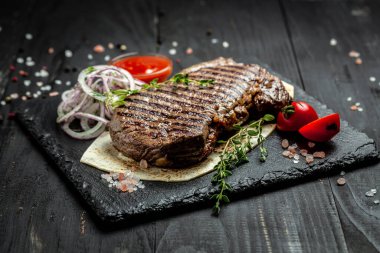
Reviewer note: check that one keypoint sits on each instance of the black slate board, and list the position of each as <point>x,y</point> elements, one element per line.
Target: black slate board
<point>348,149</point>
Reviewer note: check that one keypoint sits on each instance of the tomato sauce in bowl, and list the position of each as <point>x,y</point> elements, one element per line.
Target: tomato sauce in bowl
<point>145,67</point>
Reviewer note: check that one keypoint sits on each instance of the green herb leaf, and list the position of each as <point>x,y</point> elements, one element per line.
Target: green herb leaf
<point>268,117</point>
<point>235,154</point>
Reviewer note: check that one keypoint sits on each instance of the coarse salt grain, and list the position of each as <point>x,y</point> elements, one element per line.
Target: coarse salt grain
<point>358,61</point>
<point>27,82</point>
<point>3,103</point>
<point>58,82</point>
<point>292,149</point>
<point>319,154</point>
<point>309,159</point>
<point>30,63</point>
<point>20,60</point>
<point>68,83</point>
<point>376,201</point>
<point>14,96</point>
<point>68,53</point>
<point>90,57</point>
<point>296,161</point>
<point>303,152</point>
<point>44,73</point>
<point>341,181</point>
<point>50,50</point>
<point>357,104</point>
<point>99,49</point>
<point>174,43</point>
<point>28,36</point>
<point>370,194</point>
<point>123,47</point>
<point>111,45</point>
<point>360,109</point>
<point>311,144</point>
<point>333,42</point>
<point>107,58</point>
<point>189,50</point>
<point>353,108</point>
<point>286,153</point>
<point>354,54</point>
<point>372,79</point>
<point>23,98</point>
<point>214,40</point>
<point>172,51</point>
<point>39,84</point>
<point>53,93</point>
<point>225,44</point>
<point>285,143</point>
<point>349,99</point>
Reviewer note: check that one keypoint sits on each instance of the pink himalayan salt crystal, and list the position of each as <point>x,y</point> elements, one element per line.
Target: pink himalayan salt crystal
<point>99,49</point>
<point>292,149</point>
<point>319,154</point>
<point>303,152</point>
<point>354,54</point>
<point>311,144</point>
<point>309,159</point>
<point>285,143</point>
<point>286,153</point>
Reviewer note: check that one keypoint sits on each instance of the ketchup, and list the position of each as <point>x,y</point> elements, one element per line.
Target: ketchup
<point>146,67</point>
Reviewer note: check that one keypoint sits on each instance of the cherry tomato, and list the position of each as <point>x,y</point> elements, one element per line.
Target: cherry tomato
<point>295,116</point>
<point>322,129</point>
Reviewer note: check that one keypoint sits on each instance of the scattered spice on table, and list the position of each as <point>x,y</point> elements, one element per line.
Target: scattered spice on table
<point>189,50</point>
<point>99,49</point>
<point>293,152</point>
<point>68,53</point>
<point>371,193</point>
<point>341,181</point>
<point>358,61</point>
<point>172,51</point>
<point>354,54</point>
<point>225,44</point>
<point>333,42</point>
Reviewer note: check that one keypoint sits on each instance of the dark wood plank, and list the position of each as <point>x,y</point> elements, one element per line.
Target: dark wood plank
<point>281,221</point>
<point>38,211</point>
<point>328,70</point>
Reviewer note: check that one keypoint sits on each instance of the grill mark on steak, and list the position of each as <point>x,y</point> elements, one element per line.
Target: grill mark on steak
<point>166,106</point>
<point>177,100</point>
<point>208,95</point>
<point>165,116</point>
<point>148,122</point>
<point>179,127</point>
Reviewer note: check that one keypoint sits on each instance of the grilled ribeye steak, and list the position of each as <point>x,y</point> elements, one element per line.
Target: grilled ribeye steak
<point>177,125</point>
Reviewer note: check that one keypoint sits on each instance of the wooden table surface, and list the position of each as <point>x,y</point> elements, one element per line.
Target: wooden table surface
<point>39,212</point>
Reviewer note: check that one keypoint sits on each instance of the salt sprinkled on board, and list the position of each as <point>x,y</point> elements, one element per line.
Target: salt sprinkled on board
<point>90,57</point>
<point>175,44</point>
<point>372,79</point>
<point>125,182</point>
<point>27,82</point>
<point>107,58</point>
<point>20,60</point>
<point>349,99</point>
<point>214,40</point>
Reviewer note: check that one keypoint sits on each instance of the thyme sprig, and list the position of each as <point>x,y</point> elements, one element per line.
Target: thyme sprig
<point>235,154</point>
<point>184,79</point>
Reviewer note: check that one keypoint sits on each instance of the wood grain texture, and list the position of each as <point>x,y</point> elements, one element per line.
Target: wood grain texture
<point>329,70</point>
<point>39,212</point>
